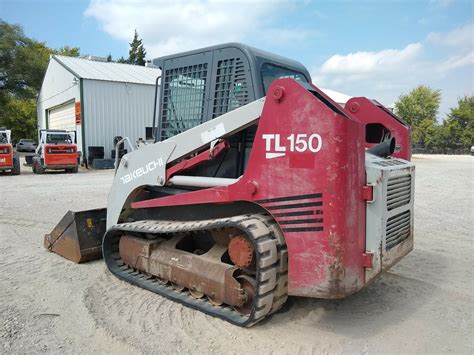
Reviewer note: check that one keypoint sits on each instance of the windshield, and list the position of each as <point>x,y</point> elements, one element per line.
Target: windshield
<point>3,137</point>
<point>26,141</point>
<point>271,72</point>
<point>58,138</point>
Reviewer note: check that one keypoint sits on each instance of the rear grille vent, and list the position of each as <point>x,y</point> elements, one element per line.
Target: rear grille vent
<point>398,229</point>
<point>390,162</point>
<point>398,191</point>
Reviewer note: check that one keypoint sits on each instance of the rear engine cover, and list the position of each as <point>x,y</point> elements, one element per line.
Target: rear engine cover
<point>389,217</point>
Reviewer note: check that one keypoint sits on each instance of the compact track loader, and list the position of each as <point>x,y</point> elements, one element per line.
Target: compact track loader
<point>258,186</point>
<point>9,160</point>
<point>56,151</point>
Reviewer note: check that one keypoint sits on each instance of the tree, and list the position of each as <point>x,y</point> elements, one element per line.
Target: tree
<point>23,62</point>
<point>424,133</point>
<point>109,58</point>
<point>141,54</point>
<point>137,52</point>
<point>422,103</point>
<point>21,118</point>
<point>122,60</point>
<point>460,123</point>
<point>69,51</point>
<point>451,133</point>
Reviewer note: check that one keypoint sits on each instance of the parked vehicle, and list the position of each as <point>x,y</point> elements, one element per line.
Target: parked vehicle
<point>9,160</point>
<point>26,145</point>
<point>56,151</point>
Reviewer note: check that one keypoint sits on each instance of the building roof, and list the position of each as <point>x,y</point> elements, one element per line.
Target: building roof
<point>339,97</point>
<point>108,71</point>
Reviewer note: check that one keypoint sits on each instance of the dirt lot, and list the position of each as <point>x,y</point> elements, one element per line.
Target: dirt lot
<point>424,305</point>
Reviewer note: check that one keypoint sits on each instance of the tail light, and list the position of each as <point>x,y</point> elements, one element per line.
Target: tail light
<point>4,150</point>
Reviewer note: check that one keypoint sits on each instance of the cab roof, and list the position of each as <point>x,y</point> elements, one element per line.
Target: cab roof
<point>253,54</point>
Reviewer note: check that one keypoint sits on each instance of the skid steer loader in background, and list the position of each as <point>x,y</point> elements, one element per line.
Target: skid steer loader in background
<point>258,186</point>
<point>9,160</point>
<point>56,150</point>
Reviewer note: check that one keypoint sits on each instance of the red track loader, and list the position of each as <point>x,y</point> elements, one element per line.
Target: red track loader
<point>9,160</point>
<point>56,151</point>
<point>258,187</point>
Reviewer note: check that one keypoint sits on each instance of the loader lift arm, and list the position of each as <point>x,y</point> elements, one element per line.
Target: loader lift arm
<point>147,165</point>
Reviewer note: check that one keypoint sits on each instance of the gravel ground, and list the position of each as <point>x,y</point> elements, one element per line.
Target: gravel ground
<point>48,304</point>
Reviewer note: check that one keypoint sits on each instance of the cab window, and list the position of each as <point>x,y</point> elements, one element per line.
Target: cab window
<point>271,72</point>
<point>58,138</point>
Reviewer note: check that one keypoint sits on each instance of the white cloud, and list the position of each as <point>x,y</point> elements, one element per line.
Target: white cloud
<point>172,26</point>
<point>459,37</point>
<point>370,62</point>
<point>457,61</point>
<point>385,74</point>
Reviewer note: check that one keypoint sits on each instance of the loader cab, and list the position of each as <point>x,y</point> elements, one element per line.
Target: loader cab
<point>203,84</point>
<point>5,135</point>
<point>200,85</point>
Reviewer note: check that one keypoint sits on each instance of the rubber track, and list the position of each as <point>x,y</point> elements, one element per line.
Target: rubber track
<point>271,260</point>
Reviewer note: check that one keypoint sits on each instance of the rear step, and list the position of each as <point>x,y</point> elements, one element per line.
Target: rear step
<point>154,252</point>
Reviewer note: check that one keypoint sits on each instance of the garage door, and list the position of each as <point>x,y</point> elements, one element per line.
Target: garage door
<point>62,117</point>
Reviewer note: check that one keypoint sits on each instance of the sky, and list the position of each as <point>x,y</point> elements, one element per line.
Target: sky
<point>379,49</point>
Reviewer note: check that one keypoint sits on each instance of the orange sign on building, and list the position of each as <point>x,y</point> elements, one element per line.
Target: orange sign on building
<point>78,112</point>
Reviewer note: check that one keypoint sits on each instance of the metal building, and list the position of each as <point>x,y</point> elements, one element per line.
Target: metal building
<point>99,100</point>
